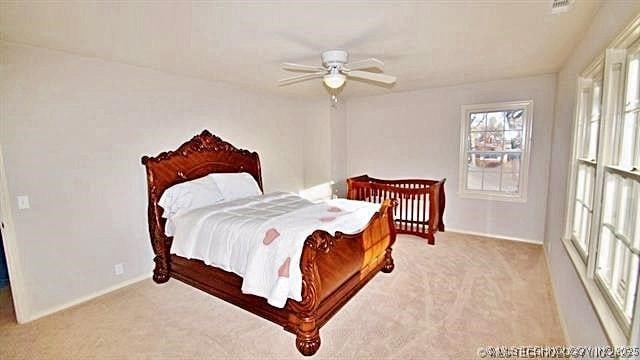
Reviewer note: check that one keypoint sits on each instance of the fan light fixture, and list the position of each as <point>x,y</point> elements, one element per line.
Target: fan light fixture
<point>335,70</point>
<point>334,80</point>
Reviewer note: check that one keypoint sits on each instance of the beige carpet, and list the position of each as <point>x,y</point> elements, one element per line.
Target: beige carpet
<point>441,302</point>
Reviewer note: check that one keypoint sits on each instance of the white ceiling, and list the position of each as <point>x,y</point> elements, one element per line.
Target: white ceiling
<point>425,44</point>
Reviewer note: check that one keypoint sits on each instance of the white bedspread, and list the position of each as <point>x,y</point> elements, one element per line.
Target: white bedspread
<point>261,238</point>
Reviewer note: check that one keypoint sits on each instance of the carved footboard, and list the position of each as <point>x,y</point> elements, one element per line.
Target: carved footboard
<point>334,268</point>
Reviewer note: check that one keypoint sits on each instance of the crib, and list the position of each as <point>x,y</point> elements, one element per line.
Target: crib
<point>420,207</point>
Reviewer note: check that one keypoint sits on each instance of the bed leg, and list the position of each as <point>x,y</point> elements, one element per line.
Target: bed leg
<point>388,262</point>
<point>431,238</point>
<point>161,270</point>
<point>308,338</point>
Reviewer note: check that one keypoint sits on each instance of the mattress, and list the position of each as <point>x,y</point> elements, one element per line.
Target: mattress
<point>260,238</point>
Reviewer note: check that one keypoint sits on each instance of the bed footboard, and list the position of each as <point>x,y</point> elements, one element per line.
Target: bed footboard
<point>334,268</point>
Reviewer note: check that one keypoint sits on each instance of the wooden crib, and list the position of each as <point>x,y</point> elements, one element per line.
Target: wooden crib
<point>420,207</point>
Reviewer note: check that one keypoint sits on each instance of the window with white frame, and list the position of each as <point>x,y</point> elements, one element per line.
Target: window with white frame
<point>494,150</point>
<point>603,222</point>
<point>586,156</point>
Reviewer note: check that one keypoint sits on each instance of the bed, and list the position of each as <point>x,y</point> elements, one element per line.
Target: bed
<point>333,267</point>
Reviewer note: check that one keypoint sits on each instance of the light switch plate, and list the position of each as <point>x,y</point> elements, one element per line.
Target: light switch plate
<point>23,202</point>
<point>118,269</point>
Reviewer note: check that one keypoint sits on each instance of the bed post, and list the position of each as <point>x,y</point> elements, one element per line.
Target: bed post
<point>307,329</point>
<point>389,205</point>
<point>388,262</point>
<point>159,242</point>
<point>441,205</point>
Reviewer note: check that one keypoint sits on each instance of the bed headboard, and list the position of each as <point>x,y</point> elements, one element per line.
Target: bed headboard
<point>203,154</point>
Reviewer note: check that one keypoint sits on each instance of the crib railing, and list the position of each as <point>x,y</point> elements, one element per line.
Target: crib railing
<point>420,207</point>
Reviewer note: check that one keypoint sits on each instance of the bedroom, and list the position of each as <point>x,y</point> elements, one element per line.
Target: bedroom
<point>88,88</point>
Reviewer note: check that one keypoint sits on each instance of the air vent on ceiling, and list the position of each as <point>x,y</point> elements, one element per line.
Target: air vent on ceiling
<point>561,6</point>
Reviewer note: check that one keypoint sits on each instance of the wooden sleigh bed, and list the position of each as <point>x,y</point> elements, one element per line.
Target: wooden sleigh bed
<point>334,267</point>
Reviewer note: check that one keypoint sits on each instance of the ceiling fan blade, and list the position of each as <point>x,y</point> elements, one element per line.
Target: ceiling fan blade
<point>387,79</point>
<point>298,78</point>
<point>300,67</point>
<point>365,64</point>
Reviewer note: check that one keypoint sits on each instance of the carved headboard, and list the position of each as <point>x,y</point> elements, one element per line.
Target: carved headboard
<point>203,154</point>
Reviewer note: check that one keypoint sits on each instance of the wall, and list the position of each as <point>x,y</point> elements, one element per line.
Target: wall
<point>581,323</point>
<point>325,151</point>
<point>317,145</point>
<point>338,130</point>
<point>417,134</point>
<point>72,131</point>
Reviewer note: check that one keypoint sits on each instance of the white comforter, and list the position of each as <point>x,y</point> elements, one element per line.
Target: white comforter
<point>261,238</point>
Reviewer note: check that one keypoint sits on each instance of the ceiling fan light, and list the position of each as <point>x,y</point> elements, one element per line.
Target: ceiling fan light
<point>334,80</point>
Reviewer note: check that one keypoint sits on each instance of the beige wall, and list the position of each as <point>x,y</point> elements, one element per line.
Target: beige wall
<point>338,130</point>
<point>581,322</point>
<point>417,134</point>
<point>317,145</point>
<point>72,131</point>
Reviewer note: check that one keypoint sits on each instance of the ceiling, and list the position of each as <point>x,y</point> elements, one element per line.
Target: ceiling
<point>425,44</point>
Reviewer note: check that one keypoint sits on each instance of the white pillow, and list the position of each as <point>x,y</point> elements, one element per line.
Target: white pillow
<point>190,195</point>
<point>236,185</point>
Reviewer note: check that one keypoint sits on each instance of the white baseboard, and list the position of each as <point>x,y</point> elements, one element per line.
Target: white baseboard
<point>86,298</point>
<point>563,324</point>
<point>494,236</point>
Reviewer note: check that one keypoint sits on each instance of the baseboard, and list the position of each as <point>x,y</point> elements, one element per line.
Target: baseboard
<point>563,324</point>
<point>494,236</point>
<point>86,298</point>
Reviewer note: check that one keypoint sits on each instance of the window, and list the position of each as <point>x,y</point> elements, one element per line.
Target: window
<point>619,243</point>
<point>494,150</point>
<point>603,209</point>
<point>587,133</point>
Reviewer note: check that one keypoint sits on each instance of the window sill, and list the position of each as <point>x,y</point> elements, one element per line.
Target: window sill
<point>612,329</point>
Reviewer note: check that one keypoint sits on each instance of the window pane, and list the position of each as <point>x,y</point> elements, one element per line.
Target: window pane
<point>476,141</point>
<point>616,265</point>
<point>636,221</point>
<point>495,121</point>
<point>515,120</point>
<point>477,122</point>
<point>596,102</point>
<point>590,179</point>
<point>474,180</point>
<point>605,253</point>
<point>492,178</point>
<point>623,221</point>
<point>513,140</point>
<point>592,143</point>
<point>632,282</point>
<point>610,196</point>
<point>510,181</point>
<point>577,219</point>
<point>581,180</point>
<point>632,83</point>
<point>628,138</point>
<point>511,162</point>
<point>585,225</point>
<point>583,124</point>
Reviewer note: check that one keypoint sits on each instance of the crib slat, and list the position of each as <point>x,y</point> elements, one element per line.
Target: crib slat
<point>406,206</point>
<point>411,212</point>
<point>424,210</point>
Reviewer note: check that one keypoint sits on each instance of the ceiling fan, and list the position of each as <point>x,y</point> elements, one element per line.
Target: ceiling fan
<point>336,69</point>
